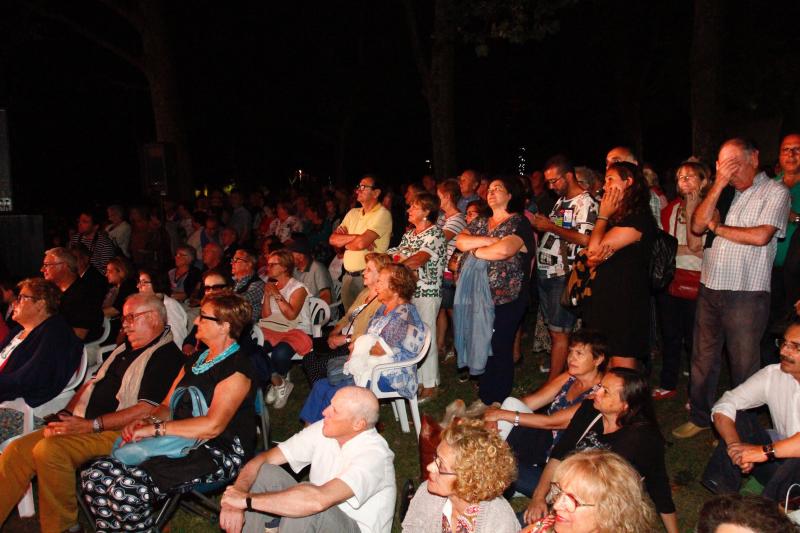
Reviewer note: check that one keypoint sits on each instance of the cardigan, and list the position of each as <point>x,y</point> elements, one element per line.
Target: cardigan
<point>425,514</point>
<point>42,364</point>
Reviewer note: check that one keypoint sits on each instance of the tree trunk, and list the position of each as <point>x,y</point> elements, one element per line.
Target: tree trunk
<point>706,115</point>
<point>441,97</point>
<point>165,100</point>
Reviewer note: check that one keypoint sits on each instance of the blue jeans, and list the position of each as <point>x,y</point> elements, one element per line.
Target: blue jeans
<point>721,476</point>
<point>736,319</point>
<point>281,356</point>
<point>558,318</point>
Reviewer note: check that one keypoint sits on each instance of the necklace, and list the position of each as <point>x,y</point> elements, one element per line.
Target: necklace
<point>199,368</point>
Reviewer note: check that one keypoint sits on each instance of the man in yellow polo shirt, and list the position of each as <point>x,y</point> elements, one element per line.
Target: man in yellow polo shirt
<point>364,229</point>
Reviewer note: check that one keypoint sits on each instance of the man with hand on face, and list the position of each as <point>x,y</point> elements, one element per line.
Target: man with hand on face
<point>131,382</point>
<point>772,456</point>
<point>351,486</point>
<point>733,301</point>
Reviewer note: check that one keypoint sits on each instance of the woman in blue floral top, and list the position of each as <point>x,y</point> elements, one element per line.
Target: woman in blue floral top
<point>505,239</point>
<point>398,324</point>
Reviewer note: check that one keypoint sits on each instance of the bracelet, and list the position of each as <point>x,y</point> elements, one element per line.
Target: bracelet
<point>601,217</point>
<point>157,429</point>
<point>516,418</point>
<point>97,425</point>
<point>769,451</point>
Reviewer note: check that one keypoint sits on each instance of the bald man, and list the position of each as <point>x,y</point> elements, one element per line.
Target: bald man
<point>351,484</point>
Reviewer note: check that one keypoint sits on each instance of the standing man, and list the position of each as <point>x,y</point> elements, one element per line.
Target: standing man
<point>351,486</point>
<point>468,183</point>
<point>568,227</point>
<point>364,229</point>
<point>101,249</point>
<point>733,302</point>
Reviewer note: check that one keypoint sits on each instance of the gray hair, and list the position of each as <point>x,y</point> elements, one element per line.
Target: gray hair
<point>151,301</point>
<point>362,404</point>
<point>66,256</point>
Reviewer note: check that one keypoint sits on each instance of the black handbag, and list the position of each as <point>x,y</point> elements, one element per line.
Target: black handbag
<point>662,260</point>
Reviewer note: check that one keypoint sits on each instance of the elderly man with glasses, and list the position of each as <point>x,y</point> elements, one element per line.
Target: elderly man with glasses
<point>771,455</point>
<point>364,229</point>
<point>79,304</point>
<point>134,378</point>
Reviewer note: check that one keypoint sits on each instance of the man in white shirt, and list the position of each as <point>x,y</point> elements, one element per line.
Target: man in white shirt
<point>773,456</point>
<point>351,484</point>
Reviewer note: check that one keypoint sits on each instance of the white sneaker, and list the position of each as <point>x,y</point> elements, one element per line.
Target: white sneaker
<point>272,393</point>
<point>282,394</point>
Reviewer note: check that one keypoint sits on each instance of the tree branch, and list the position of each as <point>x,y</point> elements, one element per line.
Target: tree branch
<point>127,11</point>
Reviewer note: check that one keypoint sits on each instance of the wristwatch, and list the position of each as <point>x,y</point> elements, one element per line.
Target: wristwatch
<point>248,503</point>
<point>769,451</point>
<point>97,425</point>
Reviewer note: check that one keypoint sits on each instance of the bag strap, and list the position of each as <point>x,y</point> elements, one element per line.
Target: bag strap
<point>589,427</point>
<point>199,405</point>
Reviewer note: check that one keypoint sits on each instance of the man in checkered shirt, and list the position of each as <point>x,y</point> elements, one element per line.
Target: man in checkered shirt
<point>733,303</point>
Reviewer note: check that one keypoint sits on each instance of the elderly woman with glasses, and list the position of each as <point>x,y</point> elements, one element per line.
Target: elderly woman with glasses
<point>466,480</point>
<point>222,374</point>
<point>183,279</point>
<point>41,353</point>
<point>596,491</point>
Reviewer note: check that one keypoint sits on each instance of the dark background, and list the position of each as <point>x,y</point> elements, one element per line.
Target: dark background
<point>267,88</point>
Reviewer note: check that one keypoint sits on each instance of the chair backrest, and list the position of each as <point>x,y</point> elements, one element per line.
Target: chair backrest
<point>426,344</point>
<point>257,335</point>
<point>319,313</point>
<point>337,291</point>
<point>105,334</point>
<point>80,373</point>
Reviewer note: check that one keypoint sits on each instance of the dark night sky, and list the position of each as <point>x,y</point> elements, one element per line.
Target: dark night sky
<point>267,85</point>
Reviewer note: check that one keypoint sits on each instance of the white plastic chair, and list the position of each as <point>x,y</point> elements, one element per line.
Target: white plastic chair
<point>337,299</point>
<point>25,506</point>
<point>398,403</point>
<point>94,346</point>
<point>319,315</point>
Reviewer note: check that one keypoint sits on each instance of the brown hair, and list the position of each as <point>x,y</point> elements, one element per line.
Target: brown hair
<point>231,308</point>
<point>401,280</point>
<point>380,260</point>
<point>285,259</point>
<point>428,202</point>
<point>44,290</point>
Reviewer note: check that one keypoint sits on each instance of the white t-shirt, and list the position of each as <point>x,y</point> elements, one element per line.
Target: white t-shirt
<point>303,320</point>
<point>365,464</point>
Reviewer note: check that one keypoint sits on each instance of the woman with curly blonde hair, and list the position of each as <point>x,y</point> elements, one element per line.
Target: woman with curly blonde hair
<point>596,491</point>
<point>464,491</point>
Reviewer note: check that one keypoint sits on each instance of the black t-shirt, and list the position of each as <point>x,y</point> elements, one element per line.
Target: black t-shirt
<point>641,445</point>
<point>79,307</point>
<point>96,283</point>
<point>161,370</point>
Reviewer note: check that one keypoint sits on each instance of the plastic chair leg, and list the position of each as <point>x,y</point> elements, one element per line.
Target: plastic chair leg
<point>25,506</point>
<point>415,414</point>
<point>401,409</point>
<point>394,411</point>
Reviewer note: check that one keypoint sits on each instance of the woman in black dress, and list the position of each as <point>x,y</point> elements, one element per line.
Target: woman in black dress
<point>222,373</point>
<point>619,248</point>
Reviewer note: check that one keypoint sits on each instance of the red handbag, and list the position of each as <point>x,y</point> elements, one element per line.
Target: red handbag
<point>685,284</point>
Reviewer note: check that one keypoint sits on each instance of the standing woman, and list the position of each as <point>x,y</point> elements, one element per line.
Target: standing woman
<point>422,249</point>
<point>505,239</point>
<point>619,248</point>
<point>678,303</point>
<point>452,222</point>
<point>283,314</point>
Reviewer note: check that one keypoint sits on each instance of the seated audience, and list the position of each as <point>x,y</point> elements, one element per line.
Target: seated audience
<point>285,223</point>
<point>351,486</point>
<point>621,419</point>
<point>212,282</point>
<point>134,378</point>
<point>83,313</point>
<point>40,354</point>
<point>246,281</point>
<point>745,447</point>
<point>353,324</point>
<point>596,491</point>
<point>90,276</point>
<point>183,279</point>
<point>222,374</point>
<point>466,480</point>
<point>118,229</point>
<point>285,323</point>
<point>154,283</point>
<point>310,272</point>
<point>532,435</point>
<point>738,513</point>
<point>395,333</point>
<point>122,283</point>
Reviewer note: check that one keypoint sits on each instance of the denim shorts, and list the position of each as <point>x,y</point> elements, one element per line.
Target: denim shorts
<point>557,317</point>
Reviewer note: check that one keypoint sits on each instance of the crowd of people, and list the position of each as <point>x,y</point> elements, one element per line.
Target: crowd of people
<point>183,292</point>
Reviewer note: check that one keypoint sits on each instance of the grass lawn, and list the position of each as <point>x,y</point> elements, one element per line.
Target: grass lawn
<point>685,458</point>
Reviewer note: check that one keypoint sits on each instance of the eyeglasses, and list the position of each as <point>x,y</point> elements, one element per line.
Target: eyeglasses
<point>214,287</point>
<point>791,345</point>
<point>571,503</point>
<point>361,187</point>
<point>551,182</point>
<point>685,177</point>
<point>240,260</point>
<point>207,317</point>
<point>440,466</point>
<point>795,150</point>
<point>128,319</point>
<point>143,282</point>
<point>22,297</point>
<point>50,265</point>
